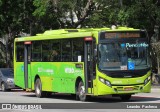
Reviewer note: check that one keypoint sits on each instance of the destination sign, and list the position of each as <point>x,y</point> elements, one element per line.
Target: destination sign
<point>122,35</point>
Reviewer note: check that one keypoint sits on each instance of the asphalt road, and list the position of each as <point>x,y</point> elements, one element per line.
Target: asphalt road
<point>20,97</point>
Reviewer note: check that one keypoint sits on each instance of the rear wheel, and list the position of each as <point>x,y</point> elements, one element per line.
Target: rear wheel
<point>3,87</point>
<point>125,97</point>
<point>38,89</point>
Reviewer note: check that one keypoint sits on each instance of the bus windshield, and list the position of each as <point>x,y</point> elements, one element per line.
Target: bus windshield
<point>123,56</point>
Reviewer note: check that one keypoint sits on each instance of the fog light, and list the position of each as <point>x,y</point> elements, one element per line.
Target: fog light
<point>115,89</point>
<point>141,88</point>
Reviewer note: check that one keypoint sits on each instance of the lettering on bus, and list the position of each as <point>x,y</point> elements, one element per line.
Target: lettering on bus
<point>134,45</point>
<point>137,45</point>
<point>117,82</point>
<point>122,35</point>
<point>45,70</point>
<point>78,72</point>
<point>69,70</point>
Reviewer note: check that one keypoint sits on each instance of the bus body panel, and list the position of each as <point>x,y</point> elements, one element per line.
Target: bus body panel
<point>119,85</point>
<point>110,91</point>
<point>19,74</point>
<point>29,76</point>
<point>57,77</point>
<point>42,70</point>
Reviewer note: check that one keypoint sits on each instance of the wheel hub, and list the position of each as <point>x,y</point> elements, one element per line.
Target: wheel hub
<point>82,91</point>
<point>38,90</point>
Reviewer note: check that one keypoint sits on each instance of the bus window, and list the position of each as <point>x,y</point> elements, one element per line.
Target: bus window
<point>45,51</point>
<point>78,52</point>
<point>36,51</point>
<point>66,50</point>
<point>55,54</point>
<point>20,52</point>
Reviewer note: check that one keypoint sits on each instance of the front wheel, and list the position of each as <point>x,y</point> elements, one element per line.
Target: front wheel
<point>81,95</point>
<point>38,88</point>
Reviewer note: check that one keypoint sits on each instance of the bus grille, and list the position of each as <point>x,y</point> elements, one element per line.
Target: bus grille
<point>123,88</point>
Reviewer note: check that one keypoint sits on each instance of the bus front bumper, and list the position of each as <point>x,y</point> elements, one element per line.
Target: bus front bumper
<point>120,89</point>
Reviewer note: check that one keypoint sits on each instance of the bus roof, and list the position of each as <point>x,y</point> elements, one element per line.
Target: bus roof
<point>71,33</point>
<point>49,35</point>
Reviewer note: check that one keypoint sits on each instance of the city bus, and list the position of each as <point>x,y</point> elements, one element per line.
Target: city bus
<point>84,62</point>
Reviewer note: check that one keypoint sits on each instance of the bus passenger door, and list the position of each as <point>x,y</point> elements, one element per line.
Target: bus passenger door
<point>27,66</point>
<point>88,63</point>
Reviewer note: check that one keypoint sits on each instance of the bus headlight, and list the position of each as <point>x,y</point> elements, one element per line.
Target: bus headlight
<point>108,83</point>
<point>104,81</point>
<point>147,80</point>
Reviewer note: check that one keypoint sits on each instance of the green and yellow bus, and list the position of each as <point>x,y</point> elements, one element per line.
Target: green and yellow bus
<point>84,62</point>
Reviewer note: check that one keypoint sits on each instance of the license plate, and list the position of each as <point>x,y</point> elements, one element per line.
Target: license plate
<point>128,88</point>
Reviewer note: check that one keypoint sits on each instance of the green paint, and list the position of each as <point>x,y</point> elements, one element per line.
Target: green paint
<point>56,77</point>
<point>61,76</point>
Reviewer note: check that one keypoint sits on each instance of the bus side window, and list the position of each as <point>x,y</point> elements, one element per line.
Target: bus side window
<point>78,50</point>
<point>77,56</point>
<point>66,50</point>
<point>45,51</point>
<point>55,54</point>
<point>20,52</point>
<point>36,51</point>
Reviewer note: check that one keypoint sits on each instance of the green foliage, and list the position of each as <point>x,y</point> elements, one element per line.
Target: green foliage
<point>39,15</point>
<point>36,16</point>
<point>41,10</point>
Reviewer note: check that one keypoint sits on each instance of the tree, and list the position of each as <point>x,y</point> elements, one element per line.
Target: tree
<point>67,13</point>
<point>15,16</point>
<point>36,16</point>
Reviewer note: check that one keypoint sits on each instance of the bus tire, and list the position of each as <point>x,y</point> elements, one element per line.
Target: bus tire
<point>125,97</point>
<point>80,94</point>
<point>38,89</point>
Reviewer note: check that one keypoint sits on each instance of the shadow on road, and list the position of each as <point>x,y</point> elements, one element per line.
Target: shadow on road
<point>13,90</point>
<point>104,99</point>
